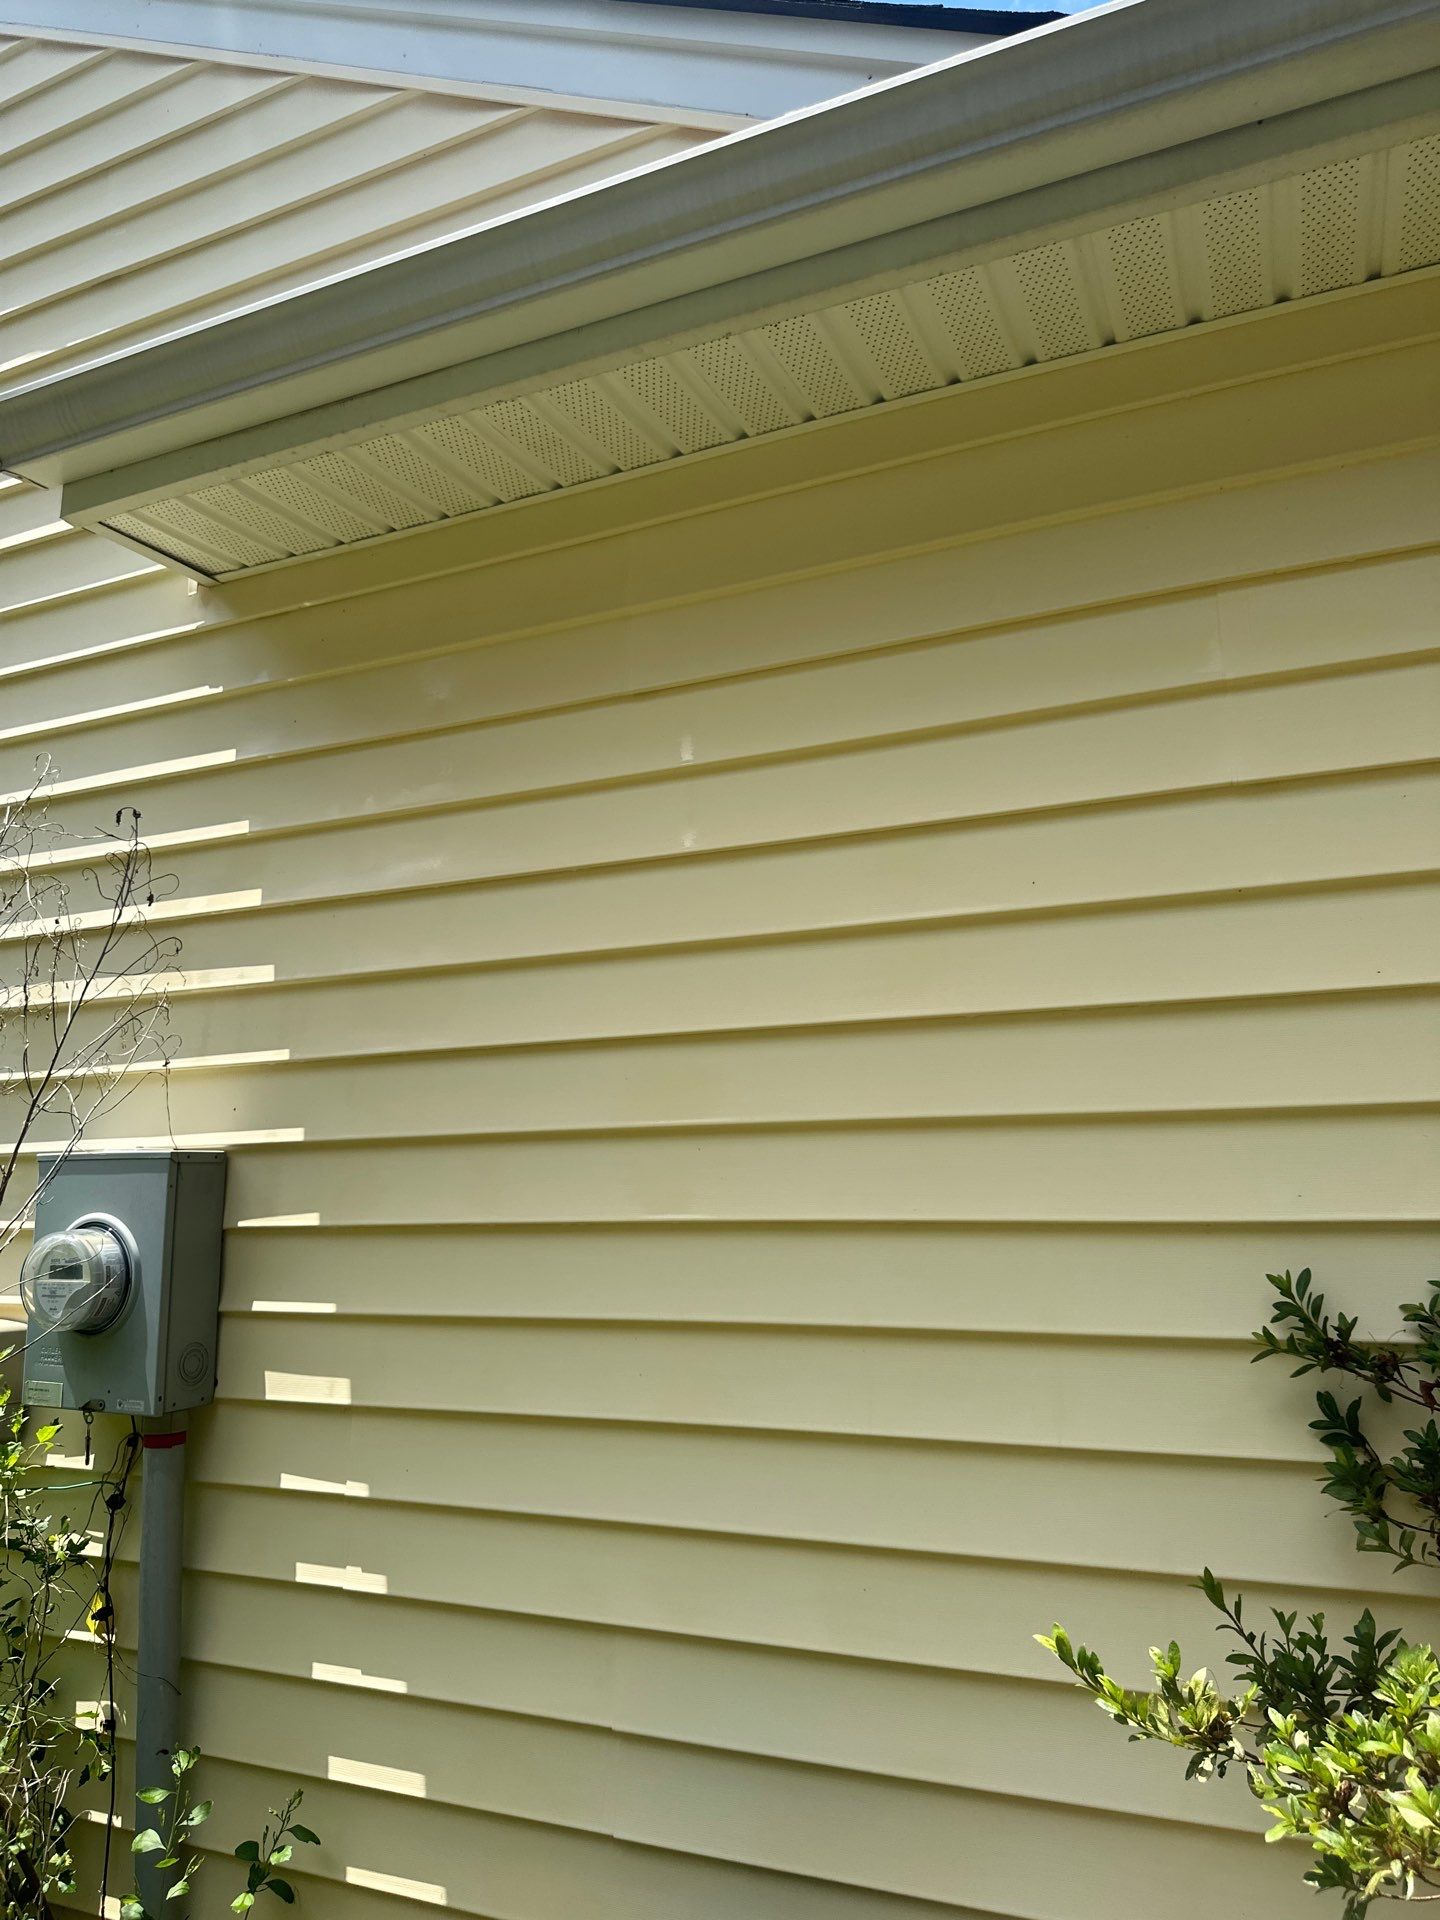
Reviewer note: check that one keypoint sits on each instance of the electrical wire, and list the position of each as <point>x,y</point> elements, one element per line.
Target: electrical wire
<point>116,1505</point>
<point>117,1481</point>
<point>113,1487</point>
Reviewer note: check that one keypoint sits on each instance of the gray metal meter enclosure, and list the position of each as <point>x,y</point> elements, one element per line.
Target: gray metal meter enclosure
<point>122,1284</point>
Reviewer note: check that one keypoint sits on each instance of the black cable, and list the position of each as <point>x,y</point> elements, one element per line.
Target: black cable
<point>112,1486</point>
<point>115,1504</point>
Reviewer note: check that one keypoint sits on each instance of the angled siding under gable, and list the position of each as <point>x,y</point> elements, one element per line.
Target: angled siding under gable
<point>140,193</point>
<point>766,1051</point>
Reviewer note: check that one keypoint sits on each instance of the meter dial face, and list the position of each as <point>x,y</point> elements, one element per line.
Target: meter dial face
<point>76,1281</point>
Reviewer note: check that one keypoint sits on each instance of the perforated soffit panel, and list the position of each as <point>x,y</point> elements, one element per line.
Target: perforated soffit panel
<point>1336,226</point>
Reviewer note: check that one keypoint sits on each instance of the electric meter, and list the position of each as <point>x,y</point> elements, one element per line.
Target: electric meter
<point>78,1281</point>
<point>122,1285</point>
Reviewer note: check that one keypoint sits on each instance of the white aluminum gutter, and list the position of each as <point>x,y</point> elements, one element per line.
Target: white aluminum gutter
<point>1137,97</point>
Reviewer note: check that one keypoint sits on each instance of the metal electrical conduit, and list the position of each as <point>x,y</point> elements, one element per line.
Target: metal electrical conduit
<point>157,1676</point>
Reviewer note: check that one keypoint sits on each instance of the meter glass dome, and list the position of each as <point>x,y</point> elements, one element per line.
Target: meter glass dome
<point>76,1281</point>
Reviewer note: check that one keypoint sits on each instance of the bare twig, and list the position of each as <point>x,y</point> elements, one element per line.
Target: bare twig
<point>84,1012</point>
<point>84,1020</point>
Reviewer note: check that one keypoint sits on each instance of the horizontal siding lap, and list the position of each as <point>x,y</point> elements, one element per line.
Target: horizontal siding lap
<point>742,880</point>
<point>67,632</point>
<point>53,570</point>
<point>764,1066</point>
<point>980,1279</point>
<point>504,1866</point>
<point>1276,943</point>
<point>1349,1166</point>
<point>909,725</point>
<point>533,1766</point>
<point>859,1699</point>
<point>1266,1055</point>
<point>428,1478</point>
<point>1132,1397</point>
<point>1020,584</point>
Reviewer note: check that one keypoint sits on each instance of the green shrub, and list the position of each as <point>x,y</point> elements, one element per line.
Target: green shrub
<point>1341,1744</point>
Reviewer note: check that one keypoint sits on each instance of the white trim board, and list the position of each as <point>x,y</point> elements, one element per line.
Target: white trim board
<point>708,68</point>
<point>1160,272</point>
<point>961,159</point>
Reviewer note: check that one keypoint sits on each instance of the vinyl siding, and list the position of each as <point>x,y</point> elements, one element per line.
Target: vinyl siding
<point>140,192</point>
<point>769,1024</point>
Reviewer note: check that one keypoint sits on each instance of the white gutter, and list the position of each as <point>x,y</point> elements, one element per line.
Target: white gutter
<point>1139,96</point>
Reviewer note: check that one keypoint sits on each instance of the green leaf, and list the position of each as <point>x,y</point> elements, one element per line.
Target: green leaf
<point>199,1813</point>
<point>242,1903</point>
<point>147,1841</point>
<point>154,1796</point>
<point>305,1836</point>
<point>179,1890</point>
<point>282,1890</point>
<point>248,1850</point>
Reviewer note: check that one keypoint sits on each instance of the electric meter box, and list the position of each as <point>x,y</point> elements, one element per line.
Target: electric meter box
<point>122,1283</point>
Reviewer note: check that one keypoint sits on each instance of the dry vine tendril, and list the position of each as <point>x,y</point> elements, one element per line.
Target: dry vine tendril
<point>1340,1743</point>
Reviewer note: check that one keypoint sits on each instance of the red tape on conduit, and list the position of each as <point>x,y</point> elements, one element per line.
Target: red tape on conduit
<point>162,1439</point>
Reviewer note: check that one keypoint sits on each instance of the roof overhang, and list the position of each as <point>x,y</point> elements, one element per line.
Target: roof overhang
<point>1141,104</point>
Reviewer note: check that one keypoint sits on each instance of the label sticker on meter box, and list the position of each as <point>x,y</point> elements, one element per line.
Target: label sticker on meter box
<point>45,1393</point>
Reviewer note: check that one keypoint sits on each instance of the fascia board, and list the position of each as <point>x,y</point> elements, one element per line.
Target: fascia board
<point>1146,86</point>
<point>493,91</point>
<point>1263,153</point>
<point>755,66</point>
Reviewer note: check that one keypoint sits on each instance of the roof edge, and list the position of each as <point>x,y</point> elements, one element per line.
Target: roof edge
<point>1143,88</point>
<point>750,61</point>
<point>927,15</point>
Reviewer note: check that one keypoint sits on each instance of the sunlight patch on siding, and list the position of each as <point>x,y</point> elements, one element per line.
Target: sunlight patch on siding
<point>313,1389</point>
<point>310,1573</point>
<point>302,1483</point>
<point>356,1677</point>
<point>365,1773</point>
<point>394,1883</point>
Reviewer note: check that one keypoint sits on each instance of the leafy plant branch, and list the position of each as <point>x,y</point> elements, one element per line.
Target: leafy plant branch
<point>176,1843</point>
<point>48,1590</point>
<point>1393,1503</point>
<point>1340,1743</point>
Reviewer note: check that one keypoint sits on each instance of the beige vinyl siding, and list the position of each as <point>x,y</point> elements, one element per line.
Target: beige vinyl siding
<point>141,192</point>
<point>770,1021</point>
